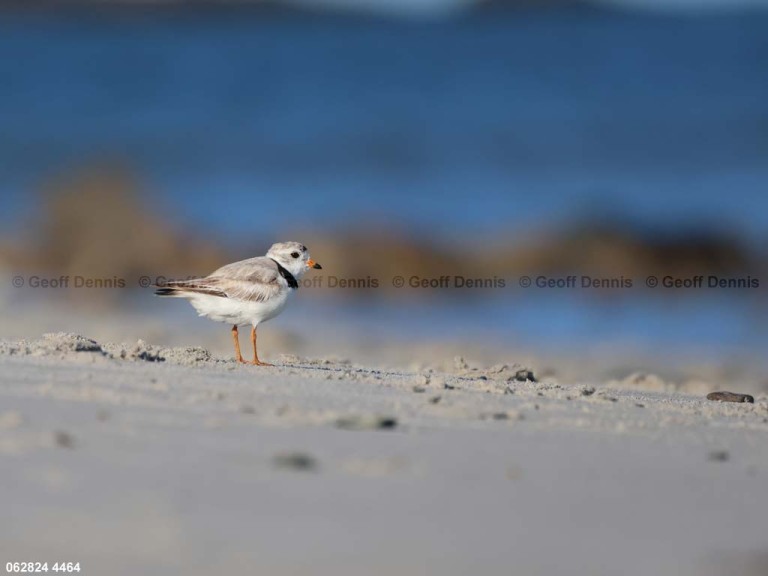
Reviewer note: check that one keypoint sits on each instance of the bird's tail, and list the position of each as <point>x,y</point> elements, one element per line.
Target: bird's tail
<point>167,291</point>
<point>187,288</point>
<point>178,288</point>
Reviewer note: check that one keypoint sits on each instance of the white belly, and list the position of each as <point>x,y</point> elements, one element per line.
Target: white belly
<point>237,311</point>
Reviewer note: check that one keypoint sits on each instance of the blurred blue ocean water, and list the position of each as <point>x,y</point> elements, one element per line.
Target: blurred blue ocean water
<point>253,120</point>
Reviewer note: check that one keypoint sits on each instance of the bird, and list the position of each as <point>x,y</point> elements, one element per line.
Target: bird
<point>247,292</point>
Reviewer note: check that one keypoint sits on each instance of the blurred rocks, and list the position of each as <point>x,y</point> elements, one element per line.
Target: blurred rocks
<point>100,223</point>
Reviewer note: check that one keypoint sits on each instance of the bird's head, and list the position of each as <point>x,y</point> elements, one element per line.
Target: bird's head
<point>293,256</point>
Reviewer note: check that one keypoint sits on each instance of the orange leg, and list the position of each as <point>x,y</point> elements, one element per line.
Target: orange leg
<point>238,356</point>
<point>256,361</point>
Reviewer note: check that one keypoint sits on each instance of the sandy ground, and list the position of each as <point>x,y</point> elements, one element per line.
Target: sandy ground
<point>134,459</point>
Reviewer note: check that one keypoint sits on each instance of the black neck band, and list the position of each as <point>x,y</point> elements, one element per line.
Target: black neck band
<point>285,274</point>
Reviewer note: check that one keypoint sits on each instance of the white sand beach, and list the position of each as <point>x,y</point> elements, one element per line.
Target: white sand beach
<point>135,459</point>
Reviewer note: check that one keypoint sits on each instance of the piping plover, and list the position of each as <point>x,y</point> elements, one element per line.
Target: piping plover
<point>247,292</point>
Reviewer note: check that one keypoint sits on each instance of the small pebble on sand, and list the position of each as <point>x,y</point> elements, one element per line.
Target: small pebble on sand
<point>366,422</point>
<point>295,461</point>
<point>63,439</point>
<point>495,416</point>
<point>730,397</point>
<point>525,375</point>
<point>718,456</point>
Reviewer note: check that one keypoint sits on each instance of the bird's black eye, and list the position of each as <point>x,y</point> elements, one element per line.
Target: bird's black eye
<point>295,254</point>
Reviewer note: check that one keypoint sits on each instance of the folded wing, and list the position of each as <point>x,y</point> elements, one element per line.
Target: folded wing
<point>252,280</point>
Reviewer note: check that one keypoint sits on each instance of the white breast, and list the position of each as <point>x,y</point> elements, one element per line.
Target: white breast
<point>239,312</point>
